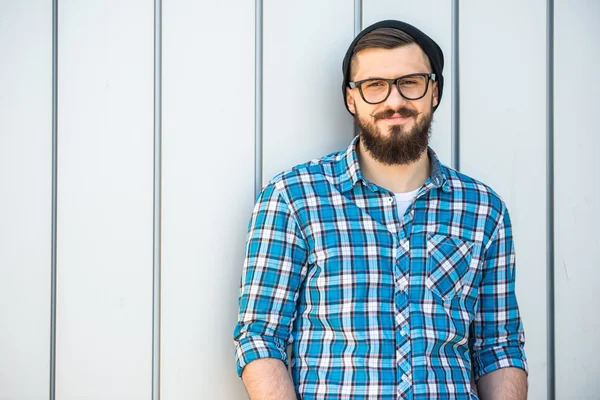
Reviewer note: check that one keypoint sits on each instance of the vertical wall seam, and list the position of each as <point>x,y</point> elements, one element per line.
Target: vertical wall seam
<point>550,197</point>
<point>455,107</point>
<point>156,287</point>
<point>53,249</point>
<point>358,16</point>
<point>258,97</point>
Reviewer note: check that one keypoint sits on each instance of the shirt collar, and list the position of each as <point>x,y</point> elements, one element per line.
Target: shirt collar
<point>347,169</point>
<point>439,176</point>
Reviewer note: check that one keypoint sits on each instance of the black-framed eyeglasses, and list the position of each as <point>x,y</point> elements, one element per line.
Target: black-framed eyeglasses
<point>377,90</point>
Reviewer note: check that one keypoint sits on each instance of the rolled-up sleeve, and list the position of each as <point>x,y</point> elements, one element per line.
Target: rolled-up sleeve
<point>273,271</point>
<point>497,337</point>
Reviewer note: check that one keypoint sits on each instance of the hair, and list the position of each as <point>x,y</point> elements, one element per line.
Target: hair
<point>382,38</point>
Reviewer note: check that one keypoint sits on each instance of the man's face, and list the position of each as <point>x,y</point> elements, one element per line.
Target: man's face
<point>397,130</point>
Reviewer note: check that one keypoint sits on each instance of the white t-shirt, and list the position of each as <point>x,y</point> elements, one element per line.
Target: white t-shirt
<point>404,200</point>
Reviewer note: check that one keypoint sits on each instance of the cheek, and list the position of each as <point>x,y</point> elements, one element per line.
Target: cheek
<point>425,106</point>
<point>369,110</point>
<point>362,111</point>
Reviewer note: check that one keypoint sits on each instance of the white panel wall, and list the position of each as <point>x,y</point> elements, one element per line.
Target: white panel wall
<point>208,191</point>
<point>25,200</point>
<point>105,187</point>
<point>577,251</point>
<point>503,142</point>
<point>104,305</point>
<point>434,18</point>
<point>304,116</point>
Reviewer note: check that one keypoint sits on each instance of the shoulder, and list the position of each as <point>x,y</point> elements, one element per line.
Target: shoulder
<point>296,181</point>
<point>477,197</point>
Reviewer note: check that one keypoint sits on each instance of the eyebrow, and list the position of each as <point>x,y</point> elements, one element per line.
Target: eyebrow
<point>375,77</point>
<point>378,77</point>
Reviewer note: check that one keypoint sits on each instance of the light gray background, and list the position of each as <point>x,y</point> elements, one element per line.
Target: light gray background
<point>105,173</point>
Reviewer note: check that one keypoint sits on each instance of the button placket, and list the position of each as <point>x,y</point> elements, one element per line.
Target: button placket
<point>402,315</point>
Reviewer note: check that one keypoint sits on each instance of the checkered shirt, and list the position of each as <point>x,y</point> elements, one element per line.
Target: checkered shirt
<point>374,305</point>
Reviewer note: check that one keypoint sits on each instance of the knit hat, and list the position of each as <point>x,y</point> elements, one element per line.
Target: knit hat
<point>429,47</point>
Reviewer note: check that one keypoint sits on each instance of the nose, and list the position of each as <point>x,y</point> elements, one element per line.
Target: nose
<point>395,99</point>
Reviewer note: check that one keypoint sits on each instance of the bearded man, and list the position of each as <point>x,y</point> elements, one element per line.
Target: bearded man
<point>391,275</point>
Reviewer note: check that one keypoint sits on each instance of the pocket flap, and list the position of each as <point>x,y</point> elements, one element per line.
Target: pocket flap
<point>448,259</point>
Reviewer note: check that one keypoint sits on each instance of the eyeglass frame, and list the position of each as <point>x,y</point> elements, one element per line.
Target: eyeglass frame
<point>393,82</point>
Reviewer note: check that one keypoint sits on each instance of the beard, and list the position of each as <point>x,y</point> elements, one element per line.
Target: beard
<point>401,146</point>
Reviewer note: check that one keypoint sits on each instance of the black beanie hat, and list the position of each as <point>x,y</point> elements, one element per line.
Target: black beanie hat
<point>429,47</point>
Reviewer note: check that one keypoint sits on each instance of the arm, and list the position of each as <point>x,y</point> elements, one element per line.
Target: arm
<point>274,268</point>
<point>497,338</point>
<point>503,384</point>
<point>268,379</point>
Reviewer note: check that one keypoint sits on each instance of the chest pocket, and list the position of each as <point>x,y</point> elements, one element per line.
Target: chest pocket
<point>448,260</point>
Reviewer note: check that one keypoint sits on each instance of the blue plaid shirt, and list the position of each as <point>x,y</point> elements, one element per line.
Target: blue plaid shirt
<point>374,305</point>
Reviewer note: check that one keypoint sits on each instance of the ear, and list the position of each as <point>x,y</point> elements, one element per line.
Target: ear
<point>350,100</point>
<point>435,98</point>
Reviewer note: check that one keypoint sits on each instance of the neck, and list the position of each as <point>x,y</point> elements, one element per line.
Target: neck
<point>399,178</point>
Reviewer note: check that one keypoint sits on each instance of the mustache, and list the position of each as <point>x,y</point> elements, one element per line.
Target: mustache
<point>404,112</point>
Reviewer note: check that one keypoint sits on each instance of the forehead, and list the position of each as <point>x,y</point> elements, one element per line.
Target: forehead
<point>390,63</point>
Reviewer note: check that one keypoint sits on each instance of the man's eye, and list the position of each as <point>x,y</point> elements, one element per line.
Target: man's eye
<point>375,84</point>
<point>408,83</point>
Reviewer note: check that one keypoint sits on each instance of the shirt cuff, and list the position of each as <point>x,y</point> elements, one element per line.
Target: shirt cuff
<point>252,348</point>
<point>498,357</point>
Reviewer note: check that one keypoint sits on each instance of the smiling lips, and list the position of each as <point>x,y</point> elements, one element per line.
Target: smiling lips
<point>399,115</point>
<point>396,118</point>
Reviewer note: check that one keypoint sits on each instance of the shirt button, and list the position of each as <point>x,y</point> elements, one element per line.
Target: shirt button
<point>390,199</point>
<point>403,283</point>
<point>403,332</point>
<point>406,377</point>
